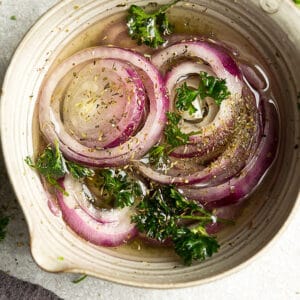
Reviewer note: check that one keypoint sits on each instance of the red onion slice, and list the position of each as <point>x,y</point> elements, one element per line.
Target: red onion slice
<point>85,199</point>
<point>103,104</point>
<point>117,231</point>
<point>221,63</point>
<point>229,163</point>
<point>234,133</point>
<point>137,145</point>
<point>240,187</point>
<point>222,66</point>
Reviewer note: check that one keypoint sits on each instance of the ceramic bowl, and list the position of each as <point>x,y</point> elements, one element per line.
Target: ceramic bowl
<point>270,26</point>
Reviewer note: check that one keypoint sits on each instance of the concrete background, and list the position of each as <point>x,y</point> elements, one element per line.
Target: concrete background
<point>274,275</point>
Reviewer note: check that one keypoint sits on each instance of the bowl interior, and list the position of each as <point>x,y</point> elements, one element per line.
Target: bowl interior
<point>249,28</point>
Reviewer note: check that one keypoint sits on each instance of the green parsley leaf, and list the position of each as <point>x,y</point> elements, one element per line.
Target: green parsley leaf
<point>78,171</point>
<point>174,136</point>
<point>52,165</point>
<point>3,224</point>
<point>185,98</point>
<point>149,28</point>
<point>81,278</point>
<point>158,157</point>
<point>209,86</point>
<point>194,245</point>
<point>213,87</point>
<point>120,187</point>
<point>158,215</point>
<point>13,18</point>
<point>154,217</point>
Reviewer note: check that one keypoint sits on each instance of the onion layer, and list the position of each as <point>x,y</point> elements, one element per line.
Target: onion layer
<point>242,185</point>
<point>215,61</point>
<point>104,228</point>
<point>136,145</point>
<point>103,104</point>
<point>227,140</point>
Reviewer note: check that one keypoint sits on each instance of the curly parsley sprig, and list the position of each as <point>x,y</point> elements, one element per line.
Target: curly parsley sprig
<point>149,28</point>
<point>173,134</point>
<point>52,166</point>
<point>158,215</point>
<point>174,137</point>
<point>209,86</point>
<point>122,189</point>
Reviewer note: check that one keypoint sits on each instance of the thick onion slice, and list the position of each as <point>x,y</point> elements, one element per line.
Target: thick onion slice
<point>101,227</point>
<point>222,63</point>
<point>219,125</point>
<point>227,165</point>
<point>230,139</point>
<point>241,186</point>
<point>103,104</point>
<point>242,146</point>
<point>136,146</point>
<point>215,61</point>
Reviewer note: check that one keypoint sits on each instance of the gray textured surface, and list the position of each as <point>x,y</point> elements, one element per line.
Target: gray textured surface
<point>16,289</point>
<point>274,275</point>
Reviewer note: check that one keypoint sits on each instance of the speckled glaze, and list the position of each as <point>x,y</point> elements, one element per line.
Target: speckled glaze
<point>272,28</point>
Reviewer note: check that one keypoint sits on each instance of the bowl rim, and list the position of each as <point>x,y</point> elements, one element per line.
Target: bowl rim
<point>9,71</point>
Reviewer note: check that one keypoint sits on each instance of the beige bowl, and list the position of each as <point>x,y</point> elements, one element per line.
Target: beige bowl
<point>270,26</point>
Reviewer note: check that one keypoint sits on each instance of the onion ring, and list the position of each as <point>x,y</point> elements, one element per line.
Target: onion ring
<point>137,145</point>
<point>116,229</point>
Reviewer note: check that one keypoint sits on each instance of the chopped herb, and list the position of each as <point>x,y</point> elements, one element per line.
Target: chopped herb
<point>52,165</point>
<point>60,258</point>
<point>13,18</point>
<point>213,87</point>
<point>3,224</point>
<point>194,244</point>
<point>158,157</point>
<point>78,171</point>
<point>120,187</point>
<point>158,216</point>
<point>209,86</point>
<point>174,136</point>
<point>185,98</point>
<point>149,28</point>
<point>297,1</point>
<point>155,217</point>
<point>81,278</point>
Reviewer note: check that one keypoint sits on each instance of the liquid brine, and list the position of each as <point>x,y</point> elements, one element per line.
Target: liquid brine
<point>191,23</point>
